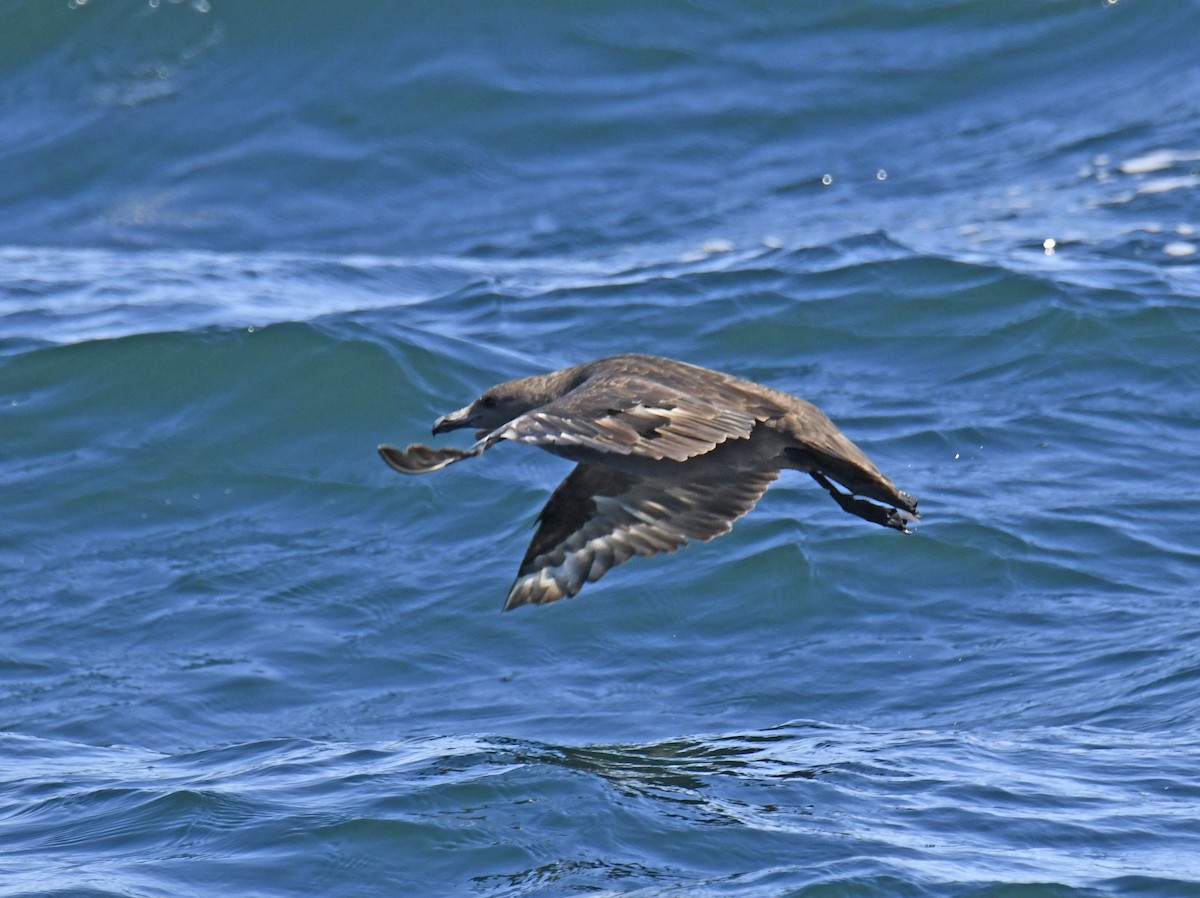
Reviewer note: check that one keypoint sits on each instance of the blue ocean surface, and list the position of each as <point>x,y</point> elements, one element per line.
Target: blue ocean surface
<point>241,244</point>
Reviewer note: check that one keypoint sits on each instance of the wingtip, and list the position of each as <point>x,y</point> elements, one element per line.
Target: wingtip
<point>421,459</point>
<point>513,602</point>
<point>387,453</point>
<point>536,591</point>
<point>516,598</point>
<point>401,460</point>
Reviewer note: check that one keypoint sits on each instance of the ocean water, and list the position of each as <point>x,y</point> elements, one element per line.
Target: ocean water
<point>241,244</point>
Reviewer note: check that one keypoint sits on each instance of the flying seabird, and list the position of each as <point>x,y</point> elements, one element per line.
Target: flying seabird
<point>665,452</point>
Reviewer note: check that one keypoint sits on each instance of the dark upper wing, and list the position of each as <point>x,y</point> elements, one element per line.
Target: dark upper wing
<point>599,518</point>
<point>634,414</point>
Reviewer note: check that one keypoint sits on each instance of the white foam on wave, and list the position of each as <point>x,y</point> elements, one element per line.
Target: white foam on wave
<point>73,295</point>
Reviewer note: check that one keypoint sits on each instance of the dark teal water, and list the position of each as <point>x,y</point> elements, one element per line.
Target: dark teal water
<point>241,244</point>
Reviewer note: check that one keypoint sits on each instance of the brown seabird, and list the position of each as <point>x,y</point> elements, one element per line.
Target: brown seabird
<point>666,452</point>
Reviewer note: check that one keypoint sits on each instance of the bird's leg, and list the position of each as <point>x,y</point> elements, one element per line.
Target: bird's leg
<point>868,511</point>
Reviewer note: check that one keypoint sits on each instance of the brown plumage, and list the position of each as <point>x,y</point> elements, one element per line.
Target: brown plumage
<point>666,452</point>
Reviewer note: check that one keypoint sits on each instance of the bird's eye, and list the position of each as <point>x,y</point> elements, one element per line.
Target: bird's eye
<point>488,401</point>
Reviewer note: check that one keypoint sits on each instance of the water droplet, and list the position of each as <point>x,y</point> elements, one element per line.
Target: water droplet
<point>826,180</point>
<point>881,175</point>
<point>1048,246</point>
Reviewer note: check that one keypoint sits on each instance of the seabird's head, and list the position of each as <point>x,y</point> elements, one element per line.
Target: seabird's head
<point>498,406</point>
